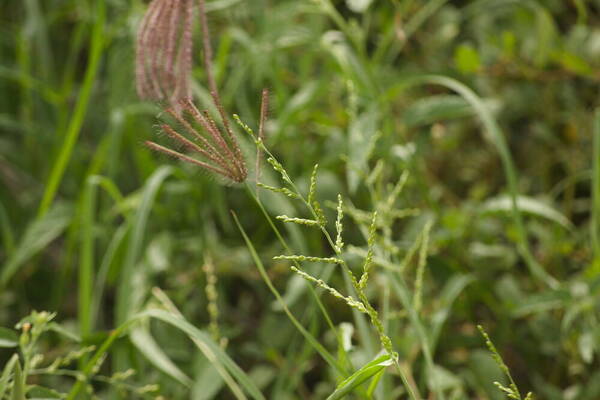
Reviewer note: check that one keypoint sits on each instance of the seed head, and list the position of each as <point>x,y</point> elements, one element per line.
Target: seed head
<point>203,143</point>
<point>164,51</point>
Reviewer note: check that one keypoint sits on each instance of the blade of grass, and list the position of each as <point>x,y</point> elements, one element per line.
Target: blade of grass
<point>170,306</point>
<point>6,231</point>
<point>127,295</point>
<point>86,262</point>
<point>366,372</point>
<point>6,372</point>
<point>145,343</point>
<point>76,122</point>
<point>220,357</point>
<point>494,135</point>
<point>124,306</point>
<point>38,235</point>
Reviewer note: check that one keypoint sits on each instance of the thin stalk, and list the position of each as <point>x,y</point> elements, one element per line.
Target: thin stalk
<point>318,346</point>
<point>283,242</point>
<point>74,127</point>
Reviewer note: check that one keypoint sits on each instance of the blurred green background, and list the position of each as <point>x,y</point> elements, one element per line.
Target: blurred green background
<point>89,222</point>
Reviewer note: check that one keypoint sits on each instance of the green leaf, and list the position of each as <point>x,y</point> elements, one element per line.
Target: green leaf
<point>207,381</point>
<point>210,349</point>
<point>145,343</point>
<point>18,390</point>
<point>8,368</point>
<point>529,205</point>
<point>36,392</point>
<point>359,377</point>
<point>466,59</point>
<point>586,346</point>
<point>38,235</point>
<point>125,291</point>
<point>435,108</point>
<point>8,338</point>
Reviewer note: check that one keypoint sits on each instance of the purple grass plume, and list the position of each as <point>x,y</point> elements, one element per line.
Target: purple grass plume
<point>204,143</point>
<point>164,51</point>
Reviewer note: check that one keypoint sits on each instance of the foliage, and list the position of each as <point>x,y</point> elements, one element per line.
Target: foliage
<point>458,184</point>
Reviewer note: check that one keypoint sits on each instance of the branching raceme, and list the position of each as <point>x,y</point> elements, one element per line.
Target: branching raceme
<point>361,302</point>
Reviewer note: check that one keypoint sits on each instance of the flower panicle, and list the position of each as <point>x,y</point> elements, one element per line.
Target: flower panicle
<point>203,143</point>
<point>164,51</point>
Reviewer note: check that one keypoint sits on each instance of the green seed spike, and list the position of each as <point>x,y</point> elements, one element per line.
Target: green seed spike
<point>285,191</point>
<point>339,244</point>
<point>369,258</point>
<point>243,125</point>
<point>320,283</point>
<point>279,168</point>
<point>328,260</point>
<point>421,266</point>
<point>300,221</point>
<point>313,185</point>
<point>397,190</point>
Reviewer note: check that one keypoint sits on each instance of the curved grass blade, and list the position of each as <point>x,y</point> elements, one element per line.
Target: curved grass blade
<point>18,389</point>
<point>220,356</point>
<point>76,122</point>
<point>494,135</point>
<point>8,368</point>
<point>146,345</point>
<point>362,375</point>
<point>125,289</point>
<point>38,235</point>
<point>530,206</point>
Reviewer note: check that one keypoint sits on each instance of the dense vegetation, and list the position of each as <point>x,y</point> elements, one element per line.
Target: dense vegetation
<point>470,127</point>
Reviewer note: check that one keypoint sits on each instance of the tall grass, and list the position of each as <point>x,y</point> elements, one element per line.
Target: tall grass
<point>458,185</point>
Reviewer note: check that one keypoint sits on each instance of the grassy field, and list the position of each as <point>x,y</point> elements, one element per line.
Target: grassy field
<point>457,193</point>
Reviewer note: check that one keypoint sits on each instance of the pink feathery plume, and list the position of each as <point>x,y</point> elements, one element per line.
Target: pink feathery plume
<point>164,51</point>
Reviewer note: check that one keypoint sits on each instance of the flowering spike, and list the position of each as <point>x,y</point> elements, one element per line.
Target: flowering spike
<point>164,51</point>
<point>207,143</point>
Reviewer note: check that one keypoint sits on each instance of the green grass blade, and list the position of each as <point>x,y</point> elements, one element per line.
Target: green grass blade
<point>125,307</point>
<point>528,205</point>
<point>208,356</point>
<point>107,260</point>
<point>18,389</point>
<point>6,231</point>
<point>8,338</point>
<point>145,343</point>
<point>6,372</point>
<point>38,235</point>
<point>86,262</point>
<point>76,122</point>
<point>403,294</point>
<point>367,371</point>
<point>128,298</point>
<point>494,135</point>
<point>219,356</point>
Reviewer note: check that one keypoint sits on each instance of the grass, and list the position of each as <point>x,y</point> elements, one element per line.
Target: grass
<point>457,192</point>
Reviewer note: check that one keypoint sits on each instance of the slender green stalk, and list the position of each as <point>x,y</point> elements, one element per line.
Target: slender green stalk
<point>76,122</point>
<point>86,264</point>
<point>263,273</point>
